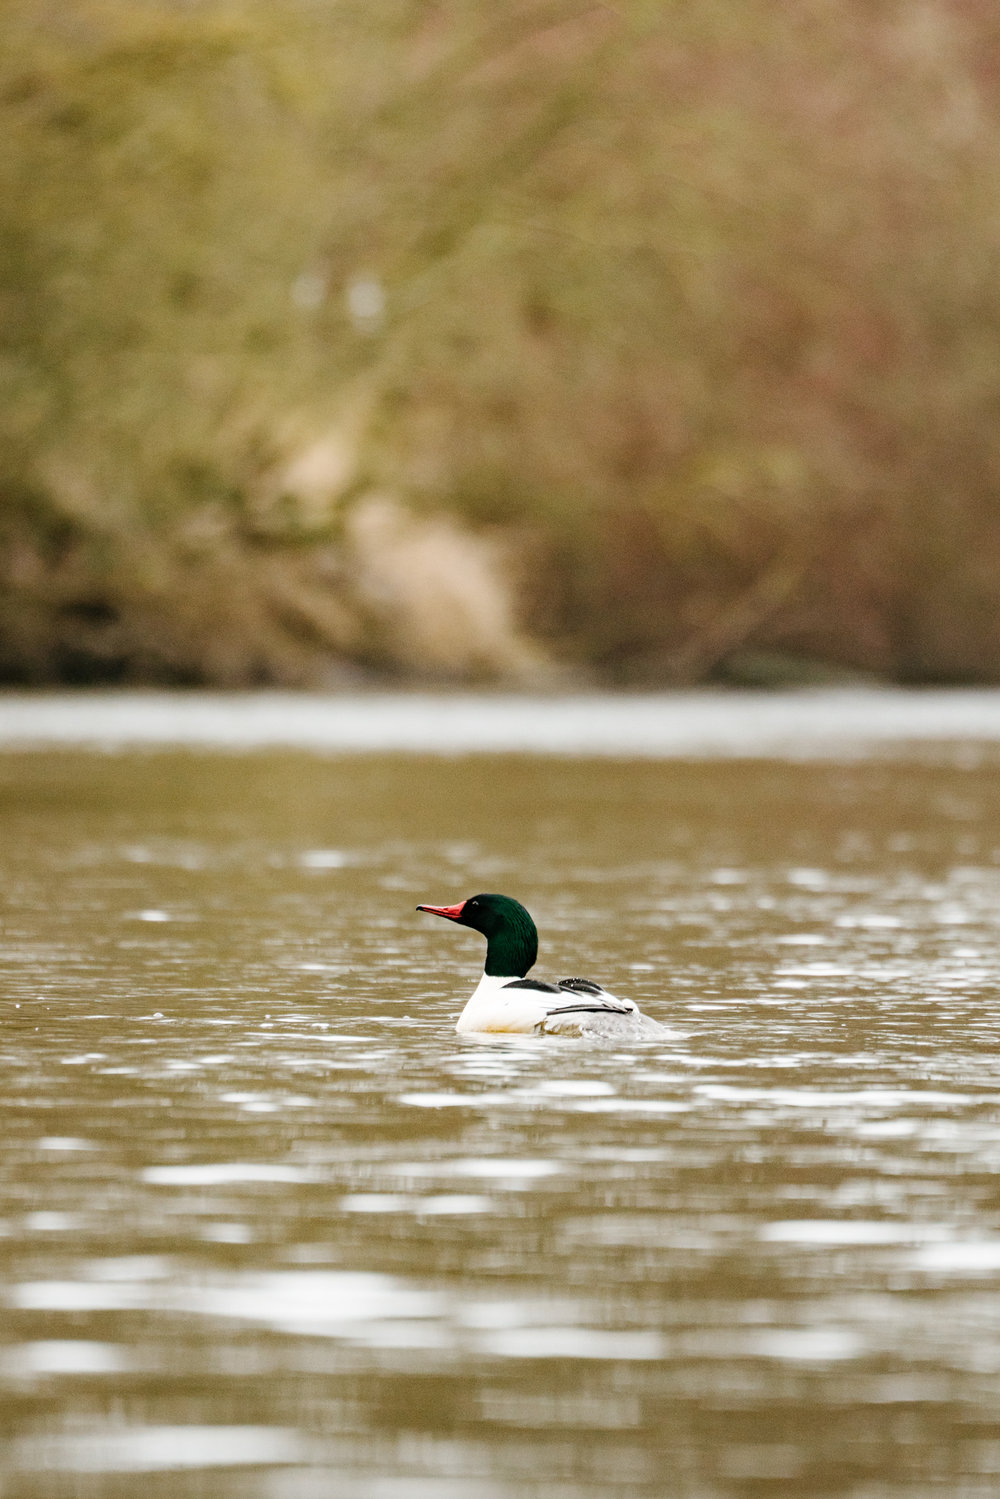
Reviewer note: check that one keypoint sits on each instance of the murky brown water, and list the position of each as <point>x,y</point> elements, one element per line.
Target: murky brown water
<point>270,1230</point>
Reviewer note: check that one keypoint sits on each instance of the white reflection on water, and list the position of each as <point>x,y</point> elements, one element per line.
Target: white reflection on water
<point>377,1311</point>
<point>304,1303</point>
<point>798,724</point>
<point>47,1221</point>
<point>221,1172</point>
<point>960,1258</point>
<point>370,1310</point>
<point>507,1168</point>
<point>830,1098</point>
<point>822,1232</point>
<point>819,1345</point>
<point>54,1356</point>
<point>151,1449</point>
<point>442,1204</point>
<point>324,858</point>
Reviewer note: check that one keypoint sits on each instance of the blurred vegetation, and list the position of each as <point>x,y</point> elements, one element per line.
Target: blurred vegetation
<point>657,341</point>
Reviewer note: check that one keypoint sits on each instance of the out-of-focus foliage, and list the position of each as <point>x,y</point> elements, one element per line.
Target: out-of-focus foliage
<point>665,335</point>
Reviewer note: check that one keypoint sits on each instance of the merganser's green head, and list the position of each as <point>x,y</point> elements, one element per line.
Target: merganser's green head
<point>511,937</point>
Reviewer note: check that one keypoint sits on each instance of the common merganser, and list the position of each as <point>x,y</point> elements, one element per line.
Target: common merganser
<point>506,1001</point>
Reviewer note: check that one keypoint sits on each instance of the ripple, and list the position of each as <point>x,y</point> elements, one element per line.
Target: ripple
<point>820,1345</point>
<point>55,1356</point>
<point>499,1167</point>
<point>575,1342</point>
<point>221,1173</point>
<point>158,1449</point>
<point>968,1257</point>
<point>824,1231</point>
<point>444,1204</point>
<point>815,1098</point>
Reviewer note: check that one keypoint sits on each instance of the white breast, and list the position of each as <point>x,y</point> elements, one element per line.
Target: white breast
<point>493,1008</point>
<point>496,1007</point>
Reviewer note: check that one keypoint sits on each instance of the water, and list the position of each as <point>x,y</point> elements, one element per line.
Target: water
<point>270,1230</point>
<point>806,724</point>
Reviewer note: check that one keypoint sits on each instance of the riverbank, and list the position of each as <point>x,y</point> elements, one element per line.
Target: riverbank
<point>553,345</point>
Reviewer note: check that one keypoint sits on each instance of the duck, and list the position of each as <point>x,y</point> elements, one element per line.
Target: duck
<point>506,1001</point>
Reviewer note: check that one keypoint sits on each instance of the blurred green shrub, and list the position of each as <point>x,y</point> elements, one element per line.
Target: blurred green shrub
<point>689,311</point>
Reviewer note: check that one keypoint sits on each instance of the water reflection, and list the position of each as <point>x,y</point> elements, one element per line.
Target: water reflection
<point>268,1227</point>
<point>848,721</point>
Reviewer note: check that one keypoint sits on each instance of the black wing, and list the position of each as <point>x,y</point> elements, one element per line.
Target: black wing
<point>609,1003</point>
<point>586,987</point>
<point>533,984</point>
<point>591,1010</point>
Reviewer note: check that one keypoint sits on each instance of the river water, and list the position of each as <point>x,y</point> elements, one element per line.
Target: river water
<point>271,1230</point>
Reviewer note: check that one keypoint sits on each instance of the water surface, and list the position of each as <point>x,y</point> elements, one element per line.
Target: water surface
<point>845,722</point>
<point>271,1230</point>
